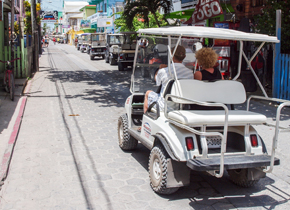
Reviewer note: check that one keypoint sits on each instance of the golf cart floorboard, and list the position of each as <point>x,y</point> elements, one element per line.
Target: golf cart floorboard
<point>231,162</point>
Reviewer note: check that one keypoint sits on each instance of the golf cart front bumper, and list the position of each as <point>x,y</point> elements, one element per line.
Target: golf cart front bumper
<point>98,53</point>
<point>231,162</point>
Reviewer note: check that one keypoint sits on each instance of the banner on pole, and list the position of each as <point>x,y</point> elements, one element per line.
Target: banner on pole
<point>205,9</point>
<point>105,22</point>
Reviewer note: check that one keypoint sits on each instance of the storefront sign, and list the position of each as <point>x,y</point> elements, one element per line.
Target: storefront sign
<point>205,9</point>
<point>1,10</point>
<point>105,22</point>
<point>76,28</point>
<point>65,26</point>
<point>49,15</point>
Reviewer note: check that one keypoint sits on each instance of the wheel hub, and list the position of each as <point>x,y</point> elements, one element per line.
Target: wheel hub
<point>156,169</point>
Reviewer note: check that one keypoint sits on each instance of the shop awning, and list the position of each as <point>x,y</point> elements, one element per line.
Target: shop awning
<point>181,14</point>
<point>80,32</point>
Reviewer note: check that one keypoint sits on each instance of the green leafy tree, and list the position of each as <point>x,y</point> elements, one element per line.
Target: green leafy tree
<point>143,9</point>
<point>16,27</point>
<point>138,22</point>
<point>44,28</point>
<point>27,19</point>
<point>266,22</point>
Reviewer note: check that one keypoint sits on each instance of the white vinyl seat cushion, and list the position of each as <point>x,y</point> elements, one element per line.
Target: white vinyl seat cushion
<point>216,117</point>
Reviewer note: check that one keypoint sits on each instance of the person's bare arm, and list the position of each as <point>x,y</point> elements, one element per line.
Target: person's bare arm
<point>197,75</point>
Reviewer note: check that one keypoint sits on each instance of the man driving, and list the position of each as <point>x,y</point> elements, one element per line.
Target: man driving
<point>163,76</point>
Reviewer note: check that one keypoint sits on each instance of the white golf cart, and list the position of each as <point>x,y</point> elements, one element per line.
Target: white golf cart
<point>198,129</point>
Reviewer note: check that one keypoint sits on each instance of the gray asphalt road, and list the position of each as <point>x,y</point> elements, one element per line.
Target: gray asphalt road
<point>67,154</point>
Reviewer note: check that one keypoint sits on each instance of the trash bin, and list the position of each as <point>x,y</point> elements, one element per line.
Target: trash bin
<point>249,81</point>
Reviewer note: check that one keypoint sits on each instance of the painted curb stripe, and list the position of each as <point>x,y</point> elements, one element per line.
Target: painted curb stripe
<point>9,150</point>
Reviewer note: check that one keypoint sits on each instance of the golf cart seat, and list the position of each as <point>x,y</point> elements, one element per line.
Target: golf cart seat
<point>222,91</point>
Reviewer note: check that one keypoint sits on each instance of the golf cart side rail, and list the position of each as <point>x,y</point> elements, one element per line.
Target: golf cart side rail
<point>203,133</point>
<point>278,113</point>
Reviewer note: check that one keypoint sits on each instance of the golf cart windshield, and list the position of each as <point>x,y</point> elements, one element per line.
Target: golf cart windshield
<point>98,37</point>
<point>147,61</point>
<point>153,53</point>
<point>114,39</point>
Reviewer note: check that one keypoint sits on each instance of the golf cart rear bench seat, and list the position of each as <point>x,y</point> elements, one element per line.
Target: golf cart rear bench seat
<point>216,117</point>
<point>202,93</point>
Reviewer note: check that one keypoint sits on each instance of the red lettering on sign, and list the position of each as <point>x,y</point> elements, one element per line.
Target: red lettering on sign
<point>205,9</point>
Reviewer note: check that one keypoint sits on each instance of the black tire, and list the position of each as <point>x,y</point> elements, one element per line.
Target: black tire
<point>107,59</point>
<point>240,177</point>
<point>78,48</point>
<point>12,87</point>
<point>103,56</point>
<point>144,72</point>
<point>126,141</point>
<point>121,66</point>
<point>92,57</point>
<point>82,50</point>
<point>6,86</point>
<point>112,61</point>
<point>158,171</point>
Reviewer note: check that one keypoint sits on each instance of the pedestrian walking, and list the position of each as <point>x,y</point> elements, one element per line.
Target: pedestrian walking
<point>54,40</point>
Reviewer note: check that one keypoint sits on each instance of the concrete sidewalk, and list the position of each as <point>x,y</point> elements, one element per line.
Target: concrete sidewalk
<point>10,118</point>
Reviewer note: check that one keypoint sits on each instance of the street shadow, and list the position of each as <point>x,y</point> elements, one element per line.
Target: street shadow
<point>109,88</point>
<point>266,108</point>
<point>205,190</point>
<point>7,107</point>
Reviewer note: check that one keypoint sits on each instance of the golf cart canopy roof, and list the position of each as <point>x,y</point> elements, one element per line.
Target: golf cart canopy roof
<point>122,33</point>
<point>209,32</point>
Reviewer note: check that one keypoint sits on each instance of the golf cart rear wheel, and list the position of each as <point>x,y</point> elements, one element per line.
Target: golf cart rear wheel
<point>158,171</point>
<point>240,177</point>
<point>121,66</point>
<point>126,141</point>
<point>107,59</point>
<point>112,60</point>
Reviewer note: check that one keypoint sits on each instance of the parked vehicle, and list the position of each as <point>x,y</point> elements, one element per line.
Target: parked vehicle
<point>121,49</point>
<point>196,130</point>
<point>98,46</point>
<point>81,39</point>
<point>85,42</point>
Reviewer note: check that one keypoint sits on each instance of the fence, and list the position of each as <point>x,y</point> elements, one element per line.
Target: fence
<point>282,77</point>
<point>281,88</point>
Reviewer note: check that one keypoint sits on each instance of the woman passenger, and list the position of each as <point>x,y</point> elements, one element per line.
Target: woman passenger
<point>207,59</point>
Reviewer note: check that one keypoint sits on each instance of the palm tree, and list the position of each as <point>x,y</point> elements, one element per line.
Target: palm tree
<point>143,8</point>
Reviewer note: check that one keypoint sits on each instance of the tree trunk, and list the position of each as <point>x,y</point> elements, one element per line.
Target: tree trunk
<point>156,19</point>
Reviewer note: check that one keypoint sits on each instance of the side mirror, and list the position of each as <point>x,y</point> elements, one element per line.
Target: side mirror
<point>196,46</point>
<point>143,42</point>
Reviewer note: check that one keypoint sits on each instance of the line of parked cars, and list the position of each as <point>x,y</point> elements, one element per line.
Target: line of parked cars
<point>116,49</point>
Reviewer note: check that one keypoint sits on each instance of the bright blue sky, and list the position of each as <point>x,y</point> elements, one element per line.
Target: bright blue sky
<point>51,5</point>
<point>48,5</point>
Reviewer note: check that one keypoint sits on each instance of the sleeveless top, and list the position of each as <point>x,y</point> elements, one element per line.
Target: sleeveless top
<point>211,76</point>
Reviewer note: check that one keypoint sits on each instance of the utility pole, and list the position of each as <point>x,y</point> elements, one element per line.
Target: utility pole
<point>12,29</point>
<point>34,36</point>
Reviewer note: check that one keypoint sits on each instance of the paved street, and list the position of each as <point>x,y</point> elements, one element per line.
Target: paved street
<point>67,154</point>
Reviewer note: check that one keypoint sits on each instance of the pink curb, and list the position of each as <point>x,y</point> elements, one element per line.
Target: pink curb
<point>13,137</point>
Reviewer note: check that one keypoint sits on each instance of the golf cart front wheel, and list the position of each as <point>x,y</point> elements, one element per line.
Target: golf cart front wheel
<point>158,171</point>
<point>240,177</point>
<point>126,141</point>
